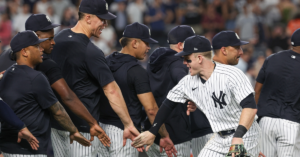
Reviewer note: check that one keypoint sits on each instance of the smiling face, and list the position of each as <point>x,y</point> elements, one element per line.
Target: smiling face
<point>233,54</point>
<point>192,62</point>
<point>48,44</point>
<point>96,25</point>
<point>34,54</point>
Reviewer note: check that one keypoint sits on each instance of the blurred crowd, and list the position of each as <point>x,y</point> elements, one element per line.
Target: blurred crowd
<point>266,24</point>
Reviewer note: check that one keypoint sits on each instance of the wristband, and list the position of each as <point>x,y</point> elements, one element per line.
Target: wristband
<point>240,131</point>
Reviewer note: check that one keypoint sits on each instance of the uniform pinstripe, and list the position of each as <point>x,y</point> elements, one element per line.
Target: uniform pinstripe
<point>183,150</point>
<point>116,148</point>
<point>219,99</point>
<point>199,143</point>
<point>62,147</point>
<point>21,155</point>
<point>280,137</point>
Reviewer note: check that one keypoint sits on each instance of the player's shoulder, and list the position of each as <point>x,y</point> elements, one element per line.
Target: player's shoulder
<point>93,51</point>
<point>24,71</point>
<point>67,36</point>
<point>228,70</point>
<point>277,55</point>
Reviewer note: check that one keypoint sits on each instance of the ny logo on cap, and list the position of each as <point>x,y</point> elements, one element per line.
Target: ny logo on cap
<point>192,29</point>
<point>292,43</point>
<point>149,32</point>
<point>183,44</point>
<point>106,6</point>
<point>34,33</point>
<point>237,36</point>
<point>48,18</point>
<point>195,49</point>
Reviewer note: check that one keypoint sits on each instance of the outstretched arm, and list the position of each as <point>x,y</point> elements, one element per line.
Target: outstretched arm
<point>62,117</point>
<point>70,99</point>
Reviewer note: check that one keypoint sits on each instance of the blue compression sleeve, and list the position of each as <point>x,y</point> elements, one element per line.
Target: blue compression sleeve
<point>8,115</point>
<point>163,113</point>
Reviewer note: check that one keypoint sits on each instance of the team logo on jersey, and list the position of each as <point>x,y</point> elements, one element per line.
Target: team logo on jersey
<point>221,100</point>
<point>47,17</point>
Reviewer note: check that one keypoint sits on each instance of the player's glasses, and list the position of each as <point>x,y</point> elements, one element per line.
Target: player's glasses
<point>187,60</point>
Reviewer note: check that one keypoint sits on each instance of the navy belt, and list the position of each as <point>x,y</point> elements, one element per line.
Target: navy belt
<point>226,133</point>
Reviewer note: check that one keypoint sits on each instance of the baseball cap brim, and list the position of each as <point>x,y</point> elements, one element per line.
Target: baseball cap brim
<point>150,41</point>
<point>241,43</point>
<point>182,53</point>
<point>40,41</point>
<point>107,16</point>
<point>50,27</point>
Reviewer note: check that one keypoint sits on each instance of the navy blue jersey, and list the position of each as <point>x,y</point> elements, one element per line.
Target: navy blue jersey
<point>280,93</point>
<point>132,80</point>
<point>85,70</point>
<point>29,94</point>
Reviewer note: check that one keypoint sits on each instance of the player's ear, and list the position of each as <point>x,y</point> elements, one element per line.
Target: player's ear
<point>24,52</point>
<point>134,43</point>
<point>180,45</point>
<point>224,51</point>
<point>88,18</point>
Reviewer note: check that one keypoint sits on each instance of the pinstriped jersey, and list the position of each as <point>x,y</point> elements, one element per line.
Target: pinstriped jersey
<point>219,97</point>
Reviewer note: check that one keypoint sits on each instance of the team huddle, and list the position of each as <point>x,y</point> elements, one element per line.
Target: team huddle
<point>61,90</point>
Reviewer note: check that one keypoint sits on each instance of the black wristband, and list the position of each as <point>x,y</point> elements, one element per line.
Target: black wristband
<point>240,131</point>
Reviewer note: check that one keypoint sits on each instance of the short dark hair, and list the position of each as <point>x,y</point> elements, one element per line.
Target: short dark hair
<point>80,15</point>
<point>124,41</point>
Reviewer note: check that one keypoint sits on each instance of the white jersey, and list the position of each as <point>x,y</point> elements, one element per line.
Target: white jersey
<point>218,98</point>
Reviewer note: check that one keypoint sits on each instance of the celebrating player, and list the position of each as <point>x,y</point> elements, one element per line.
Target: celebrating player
<point>29,95</point>
<point>165,70</point>
<point>85,70</point>
<point>134,83</point>
<point>225,96</point>
<point>278,101</point>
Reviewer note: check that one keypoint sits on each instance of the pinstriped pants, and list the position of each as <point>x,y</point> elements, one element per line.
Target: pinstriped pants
<point>62,147</point>
<point>218,146</point>
<point>280,137</point>
<point>116,148</point>
<point>199,143</point>
<point>183,150</point>
<point>21,155</point>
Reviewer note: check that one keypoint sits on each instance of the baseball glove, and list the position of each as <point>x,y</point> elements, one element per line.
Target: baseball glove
<point>237,149</point>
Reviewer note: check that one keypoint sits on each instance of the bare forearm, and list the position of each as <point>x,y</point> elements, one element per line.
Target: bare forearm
<point>62,117</point>
<point>247,117</point>
<point>116,100</point>
<point>77,107</point>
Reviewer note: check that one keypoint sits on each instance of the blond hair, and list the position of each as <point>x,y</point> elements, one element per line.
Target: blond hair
<point>207,54</point>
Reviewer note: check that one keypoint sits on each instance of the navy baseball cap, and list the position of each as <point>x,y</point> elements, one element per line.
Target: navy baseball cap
<point>24,39</point>
<point>96,7</point>
<point>195,44</point>
<point>39,22</point>
<point>295,39</point>
<point>139,31</point>
<point>180,33</point>
<point>227,38</point>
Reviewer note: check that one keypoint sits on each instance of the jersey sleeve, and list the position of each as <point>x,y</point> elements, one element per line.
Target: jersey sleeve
<point>139,78</point>
<point>51,70</point>
<point>43,92</point>
<point>177,94</point>
<point>239,85</point>
<point>97,66</point>
<point>8,115</point>
<point>262,73</point>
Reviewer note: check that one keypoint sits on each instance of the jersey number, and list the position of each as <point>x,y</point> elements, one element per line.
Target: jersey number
<point>221,101</point>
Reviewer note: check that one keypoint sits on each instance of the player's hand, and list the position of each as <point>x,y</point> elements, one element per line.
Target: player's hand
<point>1,74</point>
<point>236,140</point>
<point>96,130</point>
<point>26,134</point>
<point>261,154</point>
<point>130,132</point>
<point>191,107</point>
<point>80,139</point>
<point>145,138</point>
<point>167,144</point>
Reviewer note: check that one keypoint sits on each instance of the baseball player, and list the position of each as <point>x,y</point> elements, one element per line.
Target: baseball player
<point>165,70</point>
<point>9,117</point>
<point>134,83</point>
<point>85,70</point>
<point>278,101</point>
<point>223,93</point>
<point>59,85</point>
<point>33,102</point>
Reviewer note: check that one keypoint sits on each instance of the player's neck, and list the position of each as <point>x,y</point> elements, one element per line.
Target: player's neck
<point>206,70</point>
<point>220,59</point>
<point>80,28</point>
<point>24,61</point>
<point>296,49</point>
<point>126,50</point>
